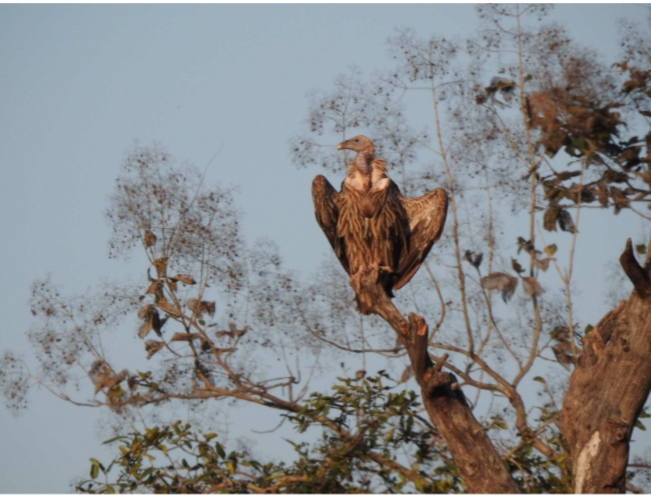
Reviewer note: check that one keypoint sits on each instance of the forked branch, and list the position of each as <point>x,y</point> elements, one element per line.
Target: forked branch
<point>638,275</point>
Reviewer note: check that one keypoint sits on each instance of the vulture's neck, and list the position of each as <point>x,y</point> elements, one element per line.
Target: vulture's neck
<point>362,162</point>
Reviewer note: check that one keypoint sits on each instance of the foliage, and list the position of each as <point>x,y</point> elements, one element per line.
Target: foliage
<point>370,428</point>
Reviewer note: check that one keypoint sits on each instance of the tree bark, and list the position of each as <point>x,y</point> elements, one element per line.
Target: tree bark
<point>478,463</point>
<point>609,387</point>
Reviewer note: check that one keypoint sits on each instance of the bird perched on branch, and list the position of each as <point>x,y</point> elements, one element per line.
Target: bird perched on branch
<point>371,226</point>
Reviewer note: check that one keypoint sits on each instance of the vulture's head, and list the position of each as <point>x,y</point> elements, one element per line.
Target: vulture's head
<point>359,144</point>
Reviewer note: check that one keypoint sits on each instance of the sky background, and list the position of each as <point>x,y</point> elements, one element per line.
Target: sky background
<point>79,84</point>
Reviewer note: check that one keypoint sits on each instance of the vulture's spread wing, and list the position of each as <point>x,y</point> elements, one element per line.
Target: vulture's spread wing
<point>326,209</point>
<point>426,216</point>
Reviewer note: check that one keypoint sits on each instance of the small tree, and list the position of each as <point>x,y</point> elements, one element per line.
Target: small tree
<point>196,264</point>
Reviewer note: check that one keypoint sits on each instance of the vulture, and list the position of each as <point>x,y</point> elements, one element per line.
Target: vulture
<point>371,226</point>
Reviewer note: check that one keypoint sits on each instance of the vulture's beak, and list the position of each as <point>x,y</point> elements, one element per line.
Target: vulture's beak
<point>341,145</point>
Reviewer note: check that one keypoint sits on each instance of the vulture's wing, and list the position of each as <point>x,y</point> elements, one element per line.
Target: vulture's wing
<point>426,216</point>
<point>326,209</point>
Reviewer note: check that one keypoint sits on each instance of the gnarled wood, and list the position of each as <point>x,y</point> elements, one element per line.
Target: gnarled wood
<point>609,388</point>
<point>477,460</point>
<point>638,276</point>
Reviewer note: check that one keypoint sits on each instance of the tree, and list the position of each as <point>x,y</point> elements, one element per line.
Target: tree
<point>521,117</point>
<point>551,114</point>
<point>189,235</point>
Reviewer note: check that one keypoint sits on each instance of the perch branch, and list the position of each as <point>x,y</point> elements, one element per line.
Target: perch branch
<point>478,463</point>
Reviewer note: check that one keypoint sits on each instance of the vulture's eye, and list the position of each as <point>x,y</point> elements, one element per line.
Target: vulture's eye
<point>356,140</point>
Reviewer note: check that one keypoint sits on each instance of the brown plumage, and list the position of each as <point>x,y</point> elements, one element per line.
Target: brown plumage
<point>371,226</point>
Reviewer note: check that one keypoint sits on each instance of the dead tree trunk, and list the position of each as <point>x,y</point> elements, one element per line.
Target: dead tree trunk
<point>478,462</point>
<point>609,387</point>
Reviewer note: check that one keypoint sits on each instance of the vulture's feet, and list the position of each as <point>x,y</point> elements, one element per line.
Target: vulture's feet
<point>376,268</point>
<point>365,275</point>
<point>369,284</point>
<point>384,276</point>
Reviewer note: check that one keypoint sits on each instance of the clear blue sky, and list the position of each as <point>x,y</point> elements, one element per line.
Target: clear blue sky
<point>80,83</point>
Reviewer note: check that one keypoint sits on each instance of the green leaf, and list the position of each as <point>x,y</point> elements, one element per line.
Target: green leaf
<point>539,379</point>
<point>498,422</point>
<point>641,248</point>
<point>588,329</point>
<point>94,470</point>
<point>220,451</point>
<point>550,250</point>
<point>528,77</point>
<point>209,436</point>
<point>202,322</point>
<point>639,425</point>
<point>111,440</point>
